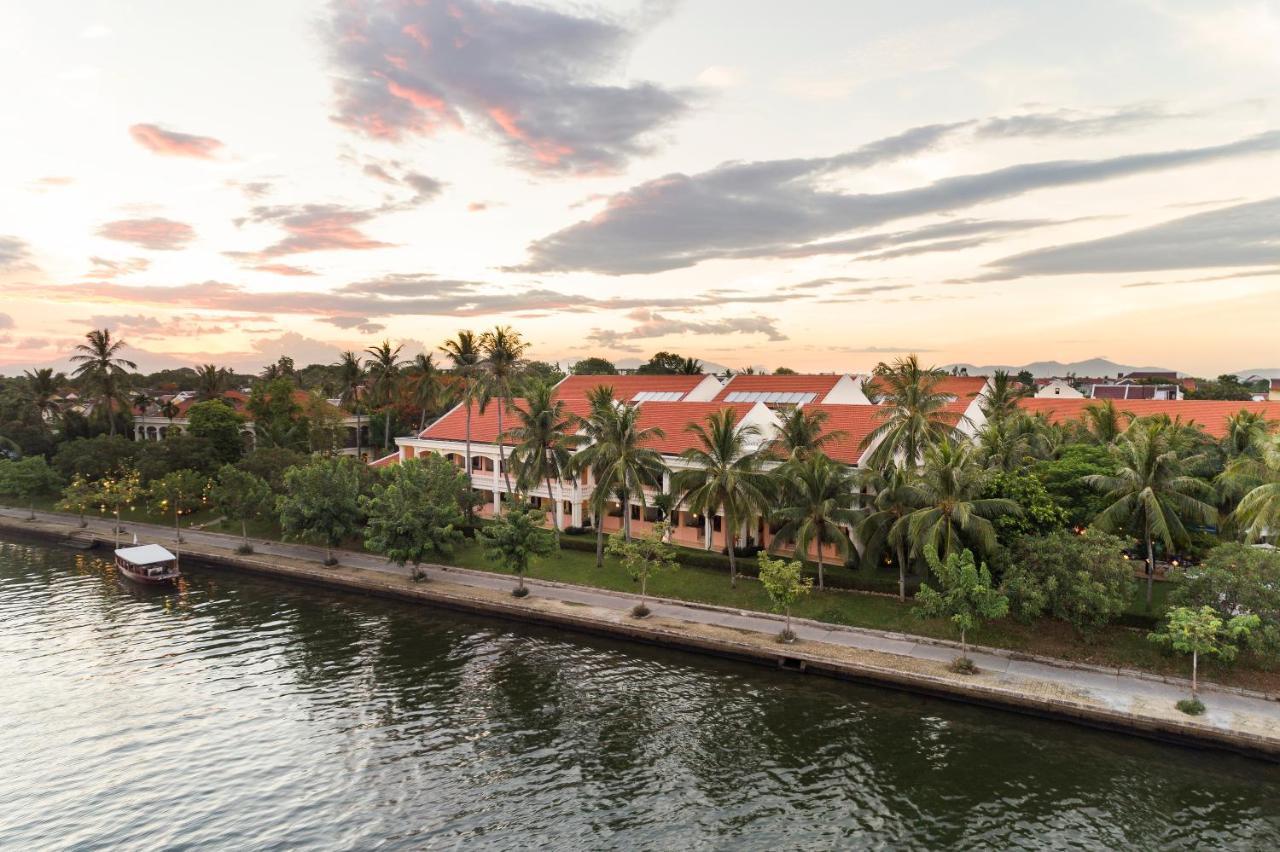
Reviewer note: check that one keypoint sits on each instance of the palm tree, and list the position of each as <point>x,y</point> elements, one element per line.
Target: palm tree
<point>802,433</point>
<point>616,454</point>
<point>169,409</point>
<point>1150,492</point>
<point>44,385</point>
<point>1000,399</point>
<point>503,354</point>
<point>545,436</point>
<point>690,367</point>
<point>211,381</point>
<point>142,401</point>
<point>913,414</point>
<point>1104,422</point>
<point>383,368</point>
<point>950,512</point>
<point>1253,479</point>
<point>1247,433</point>
<point>102,367</point>
<point>351,382</point>
<point>724,475</point>
<point>816,496</point>
<point>427,389</point>
<point>892,498</point>
<point>1007,442</point>
<point>464,353</point>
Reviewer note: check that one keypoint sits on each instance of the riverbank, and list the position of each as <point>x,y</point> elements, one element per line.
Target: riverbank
<point>1107,698</point>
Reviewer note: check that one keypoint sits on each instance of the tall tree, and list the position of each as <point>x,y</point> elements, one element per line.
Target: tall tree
<point>1151,493</point>
<point>211,381</point>
<point>816,508</point>
<point>102,367</point>
<point>415,511</point>
<point>618,456</point>
<point>427,388</point>
<point>465,355</point>
<point>891,498</point>
<point>545,436</point>
<point>504,351</point>
<point>724,475</point>
<point>383,368</point>
<point>803,433</point>
<point>1247,433</point>
<point>351,376</point>
<point>320,503</point>
<point>44,385</point>
<point>913,415</point>
<point>1104,423</point>
<point>1258,479</point>
<point>241,496</point>
<point>1000,399</point>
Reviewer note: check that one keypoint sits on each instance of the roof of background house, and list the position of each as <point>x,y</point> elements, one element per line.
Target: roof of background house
<point>675,418</point>
<point>1211,414</point>
<point>626,387</point>
<point>819,385</point>
<point>237,399</point>
<point>484,424</point>
<point>855,421</point>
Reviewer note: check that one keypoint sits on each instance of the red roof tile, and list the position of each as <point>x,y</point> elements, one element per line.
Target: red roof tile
<point>674,418</point>
<point>626,387</point>
<point>855,421</point>
<point>817,384</point>
<point>963,389</point>
<point>484,425</point>
<point>1211,414</point>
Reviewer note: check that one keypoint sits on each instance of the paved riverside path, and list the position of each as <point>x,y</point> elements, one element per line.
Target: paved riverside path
<point>1122,691</point>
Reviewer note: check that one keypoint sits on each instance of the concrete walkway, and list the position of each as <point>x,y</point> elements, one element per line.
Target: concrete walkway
<point>1119,690</point>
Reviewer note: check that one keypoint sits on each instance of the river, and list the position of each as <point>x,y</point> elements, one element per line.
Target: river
<point>238,713</point>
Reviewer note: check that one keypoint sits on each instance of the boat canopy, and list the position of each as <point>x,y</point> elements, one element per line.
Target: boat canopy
<point>147,554</point>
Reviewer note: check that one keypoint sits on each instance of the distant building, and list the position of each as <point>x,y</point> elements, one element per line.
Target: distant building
<point>1274,394</point>
<point>1059,389</point>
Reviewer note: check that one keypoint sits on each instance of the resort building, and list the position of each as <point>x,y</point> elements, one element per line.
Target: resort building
<point>1058,389</point>
<point>1209,414</point>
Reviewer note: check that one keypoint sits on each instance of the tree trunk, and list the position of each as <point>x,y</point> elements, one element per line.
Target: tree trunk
<point>32,509</point>
<point>555,505</point>
<point>1151,568</point>
<point>111,420</point>
<point>644,586</point>
<point>730,541</point>
<point>358,424</point>
<point>1195,655</point>
<point>502,447</point>
<point>328,554</point>
<point>787,630</point>
<point>83,522</point>
<point>626,516</point>
<point>599,542</point>
<point>820,585</point>
<point>471,509</point>
<point>520,579</point>
<point>386,429</point>
<point>964,646</point>
<point>244,531</point>
<point>902,574</point>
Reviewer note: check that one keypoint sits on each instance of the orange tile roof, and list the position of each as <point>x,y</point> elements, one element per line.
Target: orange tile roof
<point>674,418</point>
<point>387,460</point>
<point>1211,414</point>
<point>963,388</point>
<point>484,425</point>
<point>625,387</point>
<point>855,421</point>
<point>811,383</point>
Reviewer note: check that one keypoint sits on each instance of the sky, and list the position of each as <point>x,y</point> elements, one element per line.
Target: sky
<point>820,185</point>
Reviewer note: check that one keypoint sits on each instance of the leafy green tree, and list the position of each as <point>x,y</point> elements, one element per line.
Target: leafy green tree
<point>177,452</point>
<point>80,495</point>
<point>539,373</point>
<point>724,475</point>
<point>1201,632</point>
<point>1227,386</point>
<point>243,497</point>
<point>1038,514</point>
<point>785,584</point>
<point>893,497</point>
<point>516,538</point>
<point>593,366</point>
<point>180,492</point>
<point>912,415</point>
<point>815,498</point>
<point>415,511</point>
<point>277,415</point>
<point>784,371</point>
<point>1151,493</point>
<point>27,479</point>
<point>1065,480</point>
<point>270,463</point>
<point>220,425</point>
<point>97,457</point>
<point>1083,580</point>
<point>321,503</point>
<point>1233,579</point>
<point>643,557</point>
<point>966,596</point>
<point>116,493</point>
<point>662,364</point>
<point>102,368</point>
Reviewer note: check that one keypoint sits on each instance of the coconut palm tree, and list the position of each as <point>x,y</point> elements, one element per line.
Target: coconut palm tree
<point>427,388</point>
<point>142,401</point>
<point>1104,423</point>
<point>725,475</point>
<point>351,375</point>
<point>383,368</point>
<point>690,367</point>
<point>891,498</point>
<point>816,507</point>
<point>951,514</point>
<point>464,353</point>
<point>1151,492</point>
<point>103,369</point>
<point>1254,478</point>
<point>1007,442</point>
<point>169,410</point>
<point>1000,399</point>
<point>617,454</point>
<point>43,385</point>
<point>503,350</point>
<point>211,381</point>
<point>1247,433</point>
<point>803,434</point>
<point>545,436</point>
<point>913,415</point>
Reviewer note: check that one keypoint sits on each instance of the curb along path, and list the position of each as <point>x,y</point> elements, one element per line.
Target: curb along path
<point>1132,701</point>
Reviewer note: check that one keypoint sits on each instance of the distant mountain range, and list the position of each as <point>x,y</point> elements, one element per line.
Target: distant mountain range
<point>1048,369</point>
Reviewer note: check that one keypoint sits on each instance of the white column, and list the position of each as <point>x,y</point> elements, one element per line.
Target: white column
<point>497,502</point>
<point>575,511</point>
<point>707,531</point>
<point>666,482</point>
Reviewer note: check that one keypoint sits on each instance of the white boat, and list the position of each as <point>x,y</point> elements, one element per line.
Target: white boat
<point>148,563</point>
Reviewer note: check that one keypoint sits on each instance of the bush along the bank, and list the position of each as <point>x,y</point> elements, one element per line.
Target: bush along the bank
<point>415,511</point>
<point>321,503</point>
<point>1083,580</point>
<point>1235,579</point>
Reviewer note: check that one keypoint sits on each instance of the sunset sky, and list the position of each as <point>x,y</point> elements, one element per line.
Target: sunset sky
<point>816,184</point>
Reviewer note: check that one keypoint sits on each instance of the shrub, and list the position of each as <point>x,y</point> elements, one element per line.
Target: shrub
<point>1235,579</point>
<point>1083,580</point>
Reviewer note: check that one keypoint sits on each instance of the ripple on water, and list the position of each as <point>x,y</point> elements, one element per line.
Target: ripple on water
<point>236,713</point>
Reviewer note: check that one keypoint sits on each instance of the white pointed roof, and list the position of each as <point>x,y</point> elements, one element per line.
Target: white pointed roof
<point>147,554</point>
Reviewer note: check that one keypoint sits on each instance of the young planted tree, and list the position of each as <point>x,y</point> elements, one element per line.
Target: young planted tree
<point>79,496</point>
<point>815,510</point>
<point>516,538</point>
<point>180,492</point>
<point>724,475</point>
<point>116,493</point>
<point>965,595</point>
<point>241,496</point>
<point>321,503</point>
<point>1201,632</point>
<point>643,557</point>
<point>27,479</point>
<point>415,511</point>
<point>785,584</point>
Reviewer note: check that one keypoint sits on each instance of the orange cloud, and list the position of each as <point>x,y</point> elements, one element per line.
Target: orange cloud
<point>156,233</point>
<point>283,269</point>
<point>171,143</point>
